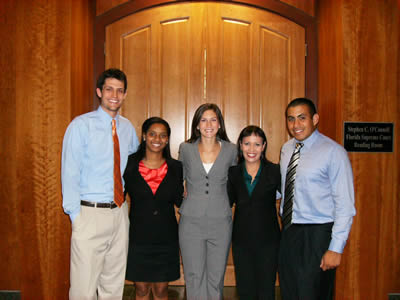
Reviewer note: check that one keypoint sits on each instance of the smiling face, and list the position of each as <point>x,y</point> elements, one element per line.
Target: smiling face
<point>300,123</point>
<point>208,124</point>
<point>156,138</point>
<point>252,147</point>
<point>111,96</point>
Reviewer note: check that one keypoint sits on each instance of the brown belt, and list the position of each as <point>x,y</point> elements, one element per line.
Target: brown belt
<point>99,205</point>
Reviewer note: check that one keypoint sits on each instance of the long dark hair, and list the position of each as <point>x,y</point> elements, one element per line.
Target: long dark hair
<point>221,134</point>
<point>141,152</point>
<point>248,131</point>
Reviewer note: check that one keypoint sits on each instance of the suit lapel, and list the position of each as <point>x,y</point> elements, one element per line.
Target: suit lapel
<point>196,155</point>
<point>218,159</point>
<point>140,178</point>
<point>165,179</point>
<point>242,185</point>
<point>198,158</point>
<point>143,181</point>
<point>261,180</point>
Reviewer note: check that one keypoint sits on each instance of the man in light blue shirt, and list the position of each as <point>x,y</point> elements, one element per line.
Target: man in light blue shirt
<point>99,240</point>
<point>322,210</point>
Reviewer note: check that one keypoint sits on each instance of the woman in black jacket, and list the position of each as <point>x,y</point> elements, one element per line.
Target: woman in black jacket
<point>252,186</point>
<point>154,182</point>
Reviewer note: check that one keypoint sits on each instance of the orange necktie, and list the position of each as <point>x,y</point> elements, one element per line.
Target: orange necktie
<point>118,190</point>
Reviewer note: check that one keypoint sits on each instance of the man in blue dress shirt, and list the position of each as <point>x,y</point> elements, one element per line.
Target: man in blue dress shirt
<point>99,240</point>
<point>322,211</point>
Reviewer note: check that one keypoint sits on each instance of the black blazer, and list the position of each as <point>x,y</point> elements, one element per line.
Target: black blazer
<point>255,221</point>
<point>152,217</point>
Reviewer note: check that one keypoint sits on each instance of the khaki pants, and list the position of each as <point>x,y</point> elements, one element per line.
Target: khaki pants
<point>99,247</point>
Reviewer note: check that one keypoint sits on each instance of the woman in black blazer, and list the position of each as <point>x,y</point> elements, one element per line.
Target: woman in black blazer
<point>154,182</point>
<point>252,186</point>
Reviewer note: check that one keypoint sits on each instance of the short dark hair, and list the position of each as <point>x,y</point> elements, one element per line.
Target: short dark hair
<point>248,131</point>
<point>195,134</point>
<point>302,101</point>
<point>145,127</point>
<point>112,73</point>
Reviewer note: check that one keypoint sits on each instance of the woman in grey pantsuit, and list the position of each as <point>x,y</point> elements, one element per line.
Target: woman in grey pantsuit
<point>205,225</point>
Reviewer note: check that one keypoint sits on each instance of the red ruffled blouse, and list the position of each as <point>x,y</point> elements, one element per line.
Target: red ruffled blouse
<point>153,177</point>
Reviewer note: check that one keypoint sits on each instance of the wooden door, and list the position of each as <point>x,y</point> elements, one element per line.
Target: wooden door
<point>247,60</point>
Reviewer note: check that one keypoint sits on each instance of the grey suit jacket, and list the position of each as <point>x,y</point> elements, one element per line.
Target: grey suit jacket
<point>206,193</point>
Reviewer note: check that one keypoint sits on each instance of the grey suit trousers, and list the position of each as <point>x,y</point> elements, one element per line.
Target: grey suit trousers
<point>204,243</point>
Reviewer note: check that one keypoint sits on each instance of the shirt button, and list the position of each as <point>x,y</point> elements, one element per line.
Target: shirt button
<point>155,213</point>
<point>207,184</point>
<point>206,177</point>
<point>206,192</point>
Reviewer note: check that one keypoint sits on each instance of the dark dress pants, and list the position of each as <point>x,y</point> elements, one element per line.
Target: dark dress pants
<point>255,270</point>
<point>301,251</point>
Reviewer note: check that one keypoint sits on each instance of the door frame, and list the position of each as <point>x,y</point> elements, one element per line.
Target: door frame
<point>295,15</point>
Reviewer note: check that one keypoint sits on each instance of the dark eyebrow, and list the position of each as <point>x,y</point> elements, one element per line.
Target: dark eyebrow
<point>161,132</point>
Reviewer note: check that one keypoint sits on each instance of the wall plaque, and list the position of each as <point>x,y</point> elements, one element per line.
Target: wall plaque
<point>368,137</point>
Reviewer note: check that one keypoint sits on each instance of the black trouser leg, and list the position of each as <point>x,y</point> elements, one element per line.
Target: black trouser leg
<point>301,250</point>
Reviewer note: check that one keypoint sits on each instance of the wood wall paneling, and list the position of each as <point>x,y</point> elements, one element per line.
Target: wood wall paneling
<point>44,37</point>
<point>9,245</point>
<point>308,6</point>
<point>103,6</point>
<point>81,45</point>
<point>359,81</point>
<point>39,118</point>
<point>331,65</point>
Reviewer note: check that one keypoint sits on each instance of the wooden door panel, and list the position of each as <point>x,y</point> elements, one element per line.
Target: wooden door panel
<point>277,64</point>
<point>135,60</point>
<point>175,40</point>
<point>274,75</point>
<point>171,85</point>
<point>236,75</point>
<point>248,61</point>
<point>279,83</point>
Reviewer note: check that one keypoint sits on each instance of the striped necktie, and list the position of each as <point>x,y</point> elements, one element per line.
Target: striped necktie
<point>118,190</point>
<point>289,187</point>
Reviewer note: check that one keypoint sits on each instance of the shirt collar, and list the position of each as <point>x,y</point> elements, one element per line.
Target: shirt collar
<point>308,142</point>
<point>106,117</point>
<point>247,175</point>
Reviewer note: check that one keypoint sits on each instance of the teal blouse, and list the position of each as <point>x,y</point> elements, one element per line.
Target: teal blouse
<point>247,179</point>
